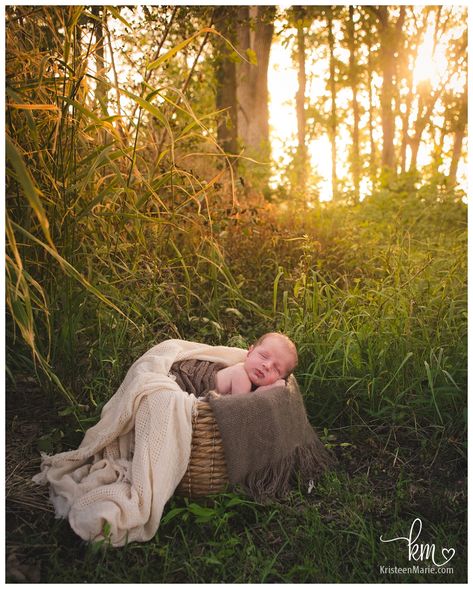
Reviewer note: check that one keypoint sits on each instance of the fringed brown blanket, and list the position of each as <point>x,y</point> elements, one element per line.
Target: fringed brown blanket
<point>266,435</point>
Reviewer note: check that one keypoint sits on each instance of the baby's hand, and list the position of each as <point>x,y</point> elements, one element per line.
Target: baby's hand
<point>279,383</point>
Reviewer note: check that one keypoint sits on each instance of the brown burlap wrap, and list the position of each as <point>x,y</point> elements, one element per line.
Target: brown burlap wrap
<point>266,435</point>
<point>195,376</point>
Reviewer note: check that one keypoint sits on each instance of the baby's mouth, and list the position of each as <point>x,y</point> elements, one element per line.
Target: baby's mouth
<point>259,373</point>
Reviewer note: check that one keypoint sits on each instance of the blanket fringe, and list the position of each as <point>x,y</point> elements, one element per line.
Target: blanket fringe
<point>309,462</point>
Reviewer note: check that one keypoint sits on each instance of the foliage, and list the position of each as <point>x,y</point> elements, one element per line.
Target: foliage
<point>92,219</point>
<point>129,228</point>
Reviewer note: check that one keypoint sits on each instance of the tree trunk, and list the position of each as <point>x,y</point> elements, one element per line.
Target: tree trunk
<point>333,113</point>
<point>225,75</point>
<point>456,154</point>
<point>405,137</point>
<point>437,147</point>
<point>411,48</point>
<point>460,127</point>
<point>389,42</point>
<point>356,112</point>
<point>427,102</point>
<point>389,36</point>
<point>370,114</point>
<point>301,157</point>
<point>415,144</point>
<point>387,119</point>
<point>405,132</point>
<point>101,92</point>
<point>252,79</point>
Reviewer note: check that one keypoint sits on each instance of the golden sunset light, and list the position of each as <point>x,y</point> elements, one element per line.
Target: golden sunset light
<point>282,85</point>
<point>236,294</point>
<point>431,67</point>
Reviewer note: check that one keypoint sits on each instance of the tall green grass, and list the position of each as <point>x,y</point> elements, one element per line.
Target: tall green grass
<point>380,317</point>
<point>110,244</point>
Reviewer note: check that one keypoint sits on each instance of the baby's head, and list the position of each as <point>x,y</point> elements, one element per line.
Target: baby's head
<point>272,357</point>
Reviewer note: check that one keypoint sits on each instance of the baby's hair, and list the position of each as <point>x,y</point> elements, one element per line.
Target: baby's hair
<point>291,345</point>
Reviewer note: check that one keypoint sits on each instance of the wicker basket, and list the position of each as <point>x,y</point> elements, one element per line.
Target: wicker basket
<point>206,472</point>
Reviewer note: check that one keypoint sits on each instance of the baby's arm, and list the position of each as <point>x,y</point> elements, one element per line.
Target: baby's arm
<point>233,380</point>
<point>279,383</point>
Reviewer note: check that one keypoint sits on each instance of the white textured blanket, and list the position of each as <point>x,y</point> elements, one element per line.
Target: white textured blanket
<point>129,464</point>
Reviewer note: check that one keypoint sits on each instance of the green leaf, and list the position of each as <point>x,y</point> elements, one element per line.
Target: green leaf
<point>30,189</point>
<point>172,514</point>
<point>71,271</point>
<point>235,501</point>
<point>115,12</point>
<point>212,560</point>
<point>157,62</point>
<point>147,106</point>
<point>106,530</point>
<point>252,56</point>
<point>275,288</point>
<point>91,115</point>
<point>203,513</point>
<point>67,411</point>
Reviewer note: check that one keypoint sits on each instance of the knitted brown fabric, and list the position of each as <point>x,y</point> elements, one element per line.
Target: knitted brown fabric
<point>195,376</point>
<point>266,435</point>
<point>268,440</point>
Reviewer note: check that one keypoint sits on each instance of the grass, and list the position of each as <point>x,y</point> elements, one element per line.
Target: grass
<point>386,478</point>
<point>383,372</point>
<point>384,384</point>
<point>112,247</point>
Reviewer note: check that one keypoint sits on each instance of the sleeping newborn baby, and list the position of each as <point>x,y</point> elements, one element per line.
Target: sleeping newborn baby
<point>270,360</point>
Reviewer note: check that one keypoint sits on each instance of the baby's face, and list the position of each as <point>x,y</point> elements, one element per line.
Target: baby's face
<point>269,361</point>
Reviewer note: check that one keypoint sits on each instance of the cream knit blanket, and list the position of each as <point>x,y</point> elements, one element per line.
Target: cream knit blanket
<point>129,464</point>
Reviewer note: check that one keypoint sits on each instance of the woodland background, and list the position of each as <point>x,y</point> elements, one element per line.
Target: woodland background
<point>144,201</point>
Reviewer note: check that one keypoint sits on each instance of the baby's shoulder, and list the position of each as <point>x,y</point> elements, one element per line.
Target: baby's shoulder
<point>238,371</point>
<point>241,382</point>
<point>233,380</point>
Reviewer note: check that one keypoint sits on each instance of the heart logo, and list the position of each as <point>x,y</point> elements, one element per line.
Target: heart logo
<point>448,554</point>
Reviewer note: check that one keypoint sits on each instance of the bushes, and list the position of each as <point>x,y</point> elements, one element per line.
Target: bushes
<point>110,251</point>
